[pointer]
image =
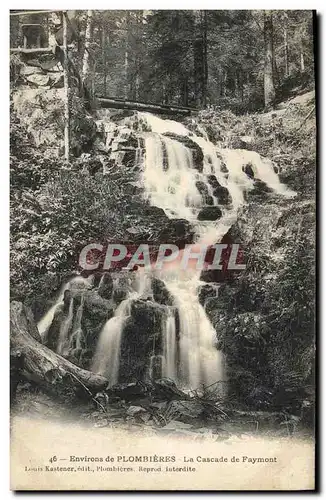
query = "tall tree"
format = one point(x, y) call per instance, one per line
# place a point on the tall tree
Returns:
point(66, 87)
point(286, 44)
point(200, 57)
point(86, 69)
point(269, 88)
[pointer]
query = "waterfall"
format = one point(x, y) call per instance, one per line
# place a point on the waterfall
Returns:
point(172, 188)
point(169, 345)
point(45, 322)
point(175, 179)
point(64, 330)
point(107, 356)
point(171, 182)
point(155, 366)
point(76, 337)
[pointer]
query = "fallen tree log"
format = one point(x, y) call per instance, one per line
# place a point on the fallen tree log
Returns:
point(115, 103)
point(41, 365)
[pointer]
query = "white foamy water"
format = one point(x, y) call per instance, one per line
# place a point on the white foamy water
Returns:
point(169, 345)
point(45, 322)
point(63, 341)
point(170, 178)
point(106, 360)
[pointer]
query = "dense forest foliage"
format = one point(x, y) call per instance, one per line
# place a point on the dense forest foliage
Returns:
point(238, 59)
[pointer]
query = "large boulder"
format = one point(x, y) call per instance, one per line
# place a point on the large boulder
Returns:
point(141, 338)
point(178, 231)
point(160, 293)
point(210, 213)
point(222, 195)
point(207, 292)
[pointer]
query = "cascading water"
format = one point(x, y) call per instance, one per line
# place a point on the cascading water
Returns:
point(107, 356)
point(106, 359)
point(169, 345)
point(63, 341)
point(171, 182)
point(45, 322)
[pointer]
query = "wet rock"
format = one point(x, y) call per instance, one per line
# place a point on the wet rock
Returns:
point(210, 213)
point(206, 292)
point(202, 188)
point(222, 195)
point(161, 293)
point(119, 294)
point(52, 336)
point(177, 231)
point(213, 276)
point(213, 181)
point(146, 312)
point(122, 285)
point(223, 166)
point(95, 312)
point(142, 335)
point(80, 283)
point(260, 188)
point(209, 200)
point(154, 211)
point(105, 288)
point(248, 170)
point(93, 302)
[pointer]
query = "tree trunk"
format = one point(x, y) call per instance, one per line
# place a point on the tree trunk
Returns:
point(269, 89)
point(286, 46)
point(205, 59)
point(37, 363)
point(184, 92)
point(66, 86)
point(104, 45)
point(86, 70)
point(126, 63)
point(302, 64)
